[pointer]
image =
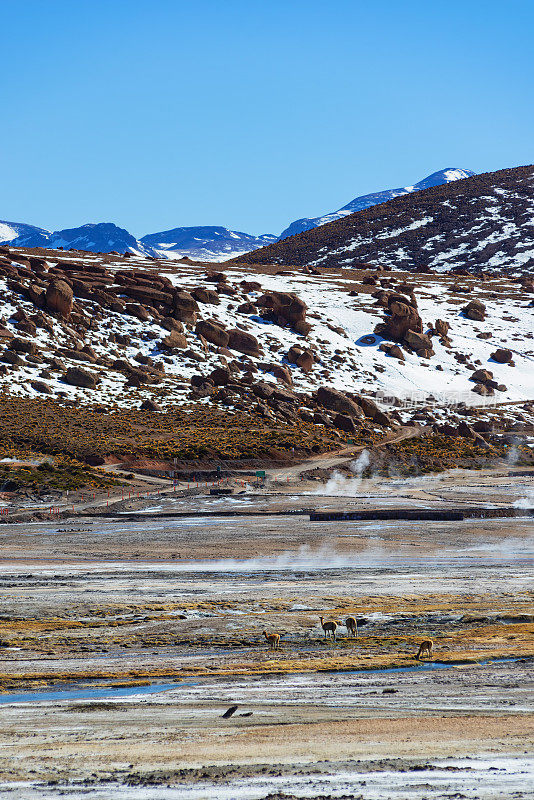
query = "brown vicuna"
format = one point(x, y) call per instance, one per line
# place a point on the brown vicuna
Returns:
point(351, 624)
point(329, 627)
point(273, 639)
point(425, 647)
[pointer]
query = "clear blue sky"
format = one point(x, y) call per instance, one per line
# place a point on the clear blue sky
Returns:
point(249, 114)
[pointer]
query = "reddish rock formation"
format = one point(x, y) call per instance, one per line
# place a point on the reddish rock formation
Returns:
point(213, 332)
point(59, 298)
point(337, 401)
point(203, 295)
point(301, 358)
point(502, 356)
point(76, 376)
point(185, 307)
point(243, 342)
point(475, 310)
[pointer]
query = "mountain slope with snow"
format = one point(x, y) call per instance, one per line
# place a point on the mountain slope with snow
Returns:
point(367, 200)
point(19, 232)
point(102, 237)
point(205, 242)
point(485, 222)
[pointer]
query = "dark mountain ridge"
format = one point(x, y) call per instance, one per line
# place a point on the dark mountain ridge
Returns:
point(480, 222)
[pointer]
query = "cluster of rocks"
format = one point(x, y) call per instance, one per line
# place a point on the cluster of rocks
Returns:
point(241, 384)
point(56, 290)
point(403, 323)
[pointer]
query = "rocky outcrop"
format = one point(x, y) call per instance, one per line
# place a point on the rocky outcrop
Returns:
point(59, 298)
point(502, 356)
point(337, 401)
point(203, 295)
point(76, 376)
point(243, 342)
point(475, 310)
point(185, 308)
point(213, 332)
point(174, 341)
point(372, 411)
point(403, 318)
point(286, 309)
point(304, 359)
point(150, 405)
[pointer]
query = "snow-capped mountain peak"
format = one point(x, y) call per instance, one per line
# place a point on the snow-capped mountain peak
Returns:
point(446, 175)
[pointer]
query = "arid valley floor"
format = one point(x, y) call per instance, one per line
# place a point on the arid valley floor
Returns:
point(125, 639)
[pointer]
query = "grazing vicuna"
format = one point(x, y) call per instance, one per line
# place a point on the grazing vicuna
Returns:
point(329, 627)
point(273, 639)
point(351, 624)
point(425, 647)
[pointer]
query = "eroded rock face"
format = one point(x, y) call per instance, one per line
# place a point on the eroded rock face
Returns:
point(403, 318)
point(185, 307)
point(59, 298)
point(335, 400)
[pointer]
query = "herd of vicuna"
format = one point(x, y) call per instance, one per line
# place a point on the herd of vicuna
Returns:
point(330, 627)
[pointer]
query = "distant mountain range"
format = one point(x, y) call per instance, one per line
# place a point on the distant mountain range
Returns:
point(205, 243)
point(484, 222)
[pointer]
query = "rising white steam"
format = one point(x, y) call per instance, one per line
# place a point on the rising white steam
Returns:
point(340, 486)
point(525, 502)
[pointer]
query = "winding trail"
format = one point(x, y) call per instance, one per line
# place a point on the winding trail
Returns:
point(335, 459)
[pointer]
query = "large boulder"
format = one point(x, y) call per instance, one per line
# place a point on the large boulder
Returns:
point(41, 386)
point(482, 376)
point(475, 310)
point(220, 376)
point(301, 358)
point(337, 401)
point(286, 308)
point(263, 390)
point(441, 327)
point(502, 356)
point(23, 346)
point(203, 295)
point(243, 342)
point(174, 341)
point(403, 318)
point(281, 373)
point(344, 423)
point(418, 341)
point(150, 405)
point(76, 376)
point(371, 410)
point(185, 307)
point(213, 332)
point(59, 298)
point(392, 350)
